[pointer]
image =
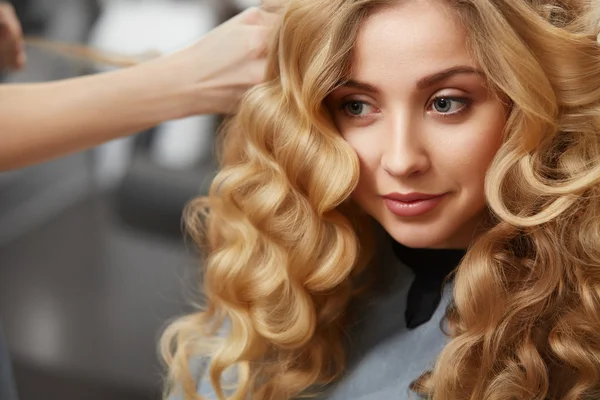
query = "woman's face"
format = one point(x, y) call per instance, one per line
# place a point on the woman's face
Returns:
point(423, 123)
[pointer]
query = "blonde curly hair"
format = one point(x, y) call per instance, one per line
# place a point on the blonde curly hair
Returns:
point(284, 244)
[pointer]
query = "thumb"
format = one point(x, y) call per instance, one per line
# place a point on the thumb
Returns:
point(257, 16)
point(273, 5)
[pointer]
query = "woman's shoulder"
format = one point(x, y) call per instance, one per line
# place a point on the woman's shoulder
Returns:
point(199, 369)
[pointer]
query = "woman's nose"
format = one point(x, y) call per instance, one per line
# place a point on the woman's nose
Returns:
point(405, 152)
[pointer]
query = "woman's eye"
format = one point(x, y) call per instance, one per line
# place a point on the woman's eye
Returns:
point(357, 109)
point(448, 105)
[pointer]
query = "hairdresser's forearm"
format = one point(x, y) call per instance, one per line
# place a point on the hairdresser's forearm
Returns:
point(46, 120)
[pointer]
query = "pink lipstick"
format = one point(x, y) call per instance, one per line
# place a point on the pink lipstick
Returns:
point(411, 204)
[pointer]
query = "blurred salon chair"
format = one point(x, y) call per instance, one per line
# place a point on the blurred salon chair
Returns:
point(152, 196)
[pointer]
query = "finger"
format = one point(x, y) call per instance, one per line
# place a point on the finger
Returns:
point(10, 31)
point(256, 16)
point(250, 16)
point(12, 52)
point(8, 60)
point(20, 59)
point(12, 49)
point(7, 43)
point(269, 18)
point(273, 5)
point(4, 61)
point(15, 28)
point(9, 20)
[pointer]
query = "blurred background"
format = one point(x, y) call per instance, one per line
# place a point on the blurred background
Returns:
point(92, 259)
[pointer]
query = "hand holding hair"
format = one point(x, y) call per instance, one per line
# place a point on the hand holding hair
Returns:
point(41, 121)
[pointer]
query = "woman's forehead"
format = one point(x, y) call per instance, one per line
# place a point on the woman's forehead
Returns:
point(408, 41)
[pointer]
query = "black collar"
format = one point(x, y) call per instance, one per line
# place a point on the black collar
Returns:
point(431, 267)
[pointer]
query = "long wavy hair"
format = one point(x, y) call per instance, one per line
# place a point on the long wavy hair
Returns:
point(284, 244)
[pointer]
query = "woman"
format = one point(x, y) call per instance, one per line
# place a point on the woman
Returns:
point(457, 124)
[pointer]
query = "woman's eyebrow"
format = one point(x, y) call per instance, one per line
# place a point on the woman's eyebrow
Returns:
point(360, 86)
point(433, 79)
point(423, 83)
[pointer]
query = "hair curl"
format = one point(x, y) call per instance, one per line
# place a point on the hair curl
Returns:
point(284, 242)
point(525, 323)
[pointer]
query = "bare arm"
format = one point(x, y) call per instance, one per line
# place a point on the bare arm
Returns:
point(41, 121)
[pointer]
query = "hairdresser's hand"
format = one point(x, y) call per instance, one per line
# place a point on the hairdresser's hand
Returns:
point(12, 47)
point(273, 5)
point(229, 60)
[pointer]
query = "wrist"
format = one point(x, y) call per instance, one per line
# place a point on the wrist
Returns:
point(167, 84)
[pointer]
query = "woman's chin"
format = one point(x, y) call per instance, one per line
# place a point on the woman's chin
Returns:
point(418, 240)
point(417, 244)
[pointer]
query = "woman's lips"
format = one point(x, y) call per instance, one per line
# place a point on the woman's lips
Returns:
point(411, 204)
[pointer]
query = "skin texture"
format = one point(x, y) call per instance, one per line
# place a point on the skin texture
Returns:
point(428, 137)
